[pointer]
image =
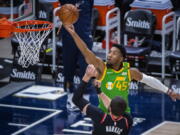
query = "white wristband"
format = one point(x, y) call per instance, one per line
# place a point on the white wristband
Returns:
point(154, 83)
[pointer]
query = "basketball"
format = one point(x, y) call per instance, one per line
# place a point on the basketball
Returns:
point(68, 14)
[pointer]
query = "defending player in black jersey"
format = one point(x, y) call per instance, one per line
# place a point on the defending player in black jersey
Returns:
point(117, 122)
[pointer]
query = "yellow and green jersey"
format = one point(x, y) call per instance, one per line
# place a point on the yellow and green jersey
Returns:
point(115, 83)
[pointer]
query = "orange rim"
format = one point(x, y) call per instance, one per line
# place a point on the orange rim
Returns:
point(5, 28)
point(31, 22)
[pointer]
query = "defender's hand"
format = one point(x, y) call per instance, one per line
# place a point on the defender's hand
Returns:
point(97, 83)
point(90, 72)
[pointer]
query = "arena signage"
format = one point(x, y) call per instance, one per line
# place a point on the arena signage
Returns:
point(44, 11)
point(23, 74)
point(60, 77)
point(18, 73)
point(140, 22)
point(137, 23)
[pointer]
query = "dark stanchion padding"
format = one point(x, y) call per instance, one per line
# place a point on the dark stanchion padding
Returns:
point(139, 23)
point(174, 58)
point(13, 87)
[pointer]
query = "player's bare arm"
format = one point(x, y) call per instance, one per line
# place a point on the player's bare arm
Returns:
point(89, 56)
point(152, 82)
point(106, 100)
point(90, 72)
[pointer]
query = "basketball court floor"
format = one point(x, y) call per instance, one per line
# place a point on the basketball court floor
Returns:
point(28, 108)
point(37, 109)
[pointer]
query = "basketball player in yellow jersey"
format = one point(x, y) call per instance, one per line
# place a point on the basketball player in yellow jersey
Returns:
point(115, 75)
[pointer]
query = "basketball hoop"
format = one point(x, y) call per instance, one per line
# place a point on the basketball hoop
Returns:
point(30, 35)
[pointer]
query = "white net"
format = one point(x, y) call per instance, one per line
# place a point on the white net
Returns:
point(30, 43)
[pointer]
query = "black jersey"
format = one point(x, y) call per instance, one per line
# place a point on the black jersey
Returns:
point(105, 125)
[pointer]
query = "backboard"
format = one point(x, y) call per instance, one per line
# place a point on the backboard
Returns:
point(19, 10)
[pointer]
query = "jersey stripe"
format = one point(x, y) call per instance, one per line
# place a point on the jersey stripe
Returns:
point(104, 73)
point(103, 118)
point(127, 125)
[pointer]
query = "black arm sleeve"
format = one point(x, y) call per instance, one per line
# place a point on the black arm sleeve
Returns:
point(98, 90)
point(78, 96)
point(129, 120)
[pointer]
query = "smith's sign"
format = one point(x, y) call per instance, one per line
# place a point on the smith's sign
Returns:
point(137, 23)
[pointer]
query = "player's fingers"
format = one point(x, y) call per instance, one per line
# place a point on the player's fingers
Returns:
point(59, 29)
point(97, 83)
point(178, 96)
point(68, 27)
point(174, 96)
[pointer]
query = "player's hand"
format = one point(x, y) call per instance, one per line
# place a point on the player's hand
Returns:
point(69, 28)
point(97, 83)
point(90, 72)
point(174, 96)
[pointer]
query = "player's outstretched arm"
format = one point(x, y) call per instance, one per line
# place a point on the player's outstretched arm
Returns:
point(89, 56)
point(152, 82)
point(78, 95)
